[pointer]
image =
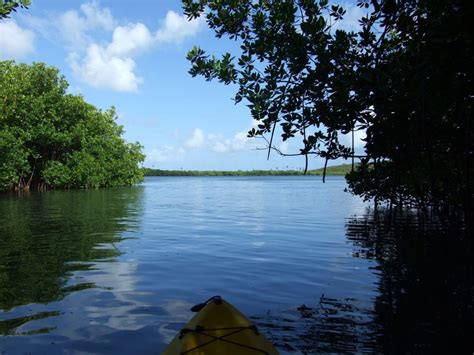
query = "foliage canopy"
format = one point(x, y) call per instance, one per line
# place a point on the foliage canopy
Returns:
point(8, 6)
point(405, 78)
point(49, 138)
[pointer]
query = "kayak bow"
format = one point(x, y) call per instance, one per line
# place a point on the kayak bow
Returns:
point(219, 328)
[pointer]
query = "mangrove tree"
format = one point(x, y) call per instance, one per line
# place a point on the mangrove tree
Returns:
point(52, 139)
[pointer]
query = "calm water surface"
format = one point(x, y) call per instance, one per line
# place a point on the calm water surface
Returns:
point(116, 270)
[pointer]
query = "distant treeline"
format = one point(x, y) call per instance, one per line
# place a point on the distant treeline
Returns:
point(332, 170)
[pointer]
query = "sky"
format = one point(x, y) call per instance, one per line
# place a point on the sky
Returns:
point(132, 55)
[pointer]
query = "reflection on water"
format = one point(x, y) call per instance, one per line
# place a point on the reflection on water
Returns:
point(425, 285)
point(325, 326)
point(424, 300)
point(45, 238)
point(9, 326)
point(116, 270)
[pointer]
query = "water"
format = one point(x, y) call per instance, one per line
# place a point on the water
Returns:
point(116, 270)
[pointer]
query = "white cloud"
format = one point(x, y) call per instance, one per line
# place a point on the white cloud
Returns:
point(109, 66)
point(102, 52)
point(196, 140)
point(237, 143)
point(76, 27)
point(175, 28)
point(101, 70)
point(112, 65)
point(97, 16)
point(218, 143)
point(15, 42)
point(165, 154)
point(220, 146)
point(130, 40)
point(199, 142)
point(240, 141)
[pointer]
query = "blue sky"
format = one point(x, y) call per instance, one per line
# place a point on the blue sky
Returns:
point(132, 55)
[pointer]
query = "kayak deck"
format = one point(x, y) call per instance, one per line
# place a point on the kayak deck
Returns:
point(219, 328)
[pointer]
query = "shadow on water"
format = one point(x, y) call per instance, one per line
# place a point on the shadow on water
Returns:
point(46, 237)
point(423, 300)
point(425, 285)
point(327, 326)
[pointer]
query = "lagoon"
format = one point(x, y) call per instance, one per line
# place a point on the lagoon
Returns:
point(116, 270)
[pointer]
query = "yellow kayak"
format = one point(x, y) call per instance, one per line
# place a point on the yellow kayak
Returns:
point(219, 328)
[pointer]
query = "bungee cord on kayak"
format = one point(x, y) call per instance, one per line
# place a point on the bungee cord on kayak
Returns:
point(202, 330)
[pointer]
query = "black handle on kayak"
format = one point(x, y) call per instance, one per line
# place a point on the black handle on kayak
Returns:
point(199, 306)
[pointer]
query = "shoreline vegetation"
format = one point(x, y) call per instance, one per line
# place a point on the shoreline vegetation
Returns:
point(52, 139)
point(338, 170)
